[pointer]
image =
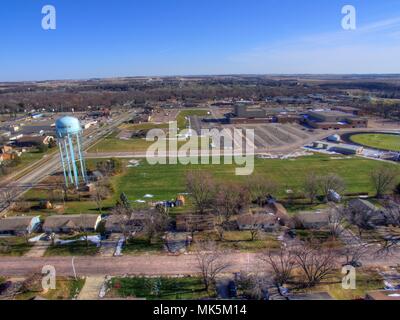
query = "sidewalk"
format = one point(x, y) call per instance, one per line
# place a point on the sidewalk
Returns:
point(91, 289)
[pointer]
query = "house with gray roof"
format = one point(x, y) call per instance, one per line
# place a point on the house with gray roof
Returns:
point(16, 226)
point(71, 223)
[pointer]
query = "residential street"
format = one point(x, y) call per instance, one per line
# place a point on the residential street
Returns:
point(143, 264)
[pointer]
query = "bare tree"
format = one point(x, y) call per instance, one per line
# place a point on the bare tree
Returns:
point(311, 187)
point(337, 221)
point(316, 263)
point(227, 200)
point(354, 253)
point(260, 187)
point(389, 232)
point(383, 179)
point(100, 193)
point(201, 187)
point(155, 223)
point(253, 286)
point(362, 219)
point(282, 263)
point(331, 182)
point(123, 221)
point(254, 232)
point(83, 227)
point(210, 262)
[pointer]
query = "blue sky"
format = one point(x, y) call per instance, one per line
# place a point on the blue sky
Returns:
point(99, 38)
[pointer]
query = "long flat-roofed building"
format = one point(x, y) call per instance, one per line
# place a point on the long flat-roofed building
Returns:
point(328, 119)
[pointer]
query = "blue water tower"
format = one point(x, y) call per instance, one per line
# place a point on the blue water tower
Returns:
point(69, 137)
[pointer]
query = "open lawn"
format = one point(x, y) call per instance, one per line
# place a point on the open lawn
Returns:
point(165, 182)
point(181, 118)
point(14, 246)
point(144, 126)
point(139, 245)
point(240, 241)
point(114, 144)
point(187, 288)
point(379, 141)
point(78, 248)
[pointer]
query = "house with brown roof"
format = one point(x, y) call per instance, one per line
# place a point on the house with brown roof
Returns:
point(195, 222)
point(268, 223)
point(16, 226)
point(119, 223)
point(313, 220)
point(71, 223)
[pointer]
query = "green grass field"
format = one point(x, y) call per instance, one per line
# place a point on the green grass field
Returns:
point(181, 118)
point(165, 182)
point(379, 141)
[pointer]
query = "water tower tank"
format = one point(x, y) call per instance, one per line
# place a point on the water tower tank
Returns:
point(67, 125)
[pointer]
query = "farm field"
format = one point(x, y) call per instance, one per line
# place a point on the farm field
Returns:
point(379, 141)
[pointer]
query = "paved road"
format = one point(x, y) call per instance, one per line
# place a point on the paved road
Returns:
point(143, 264)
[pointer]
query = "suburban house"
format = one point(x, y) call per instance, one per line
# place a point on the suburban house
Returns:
point(362, 205)
point(313, 220)
point(119, 224)
point(264, 222)
point(17, 226)
point(193, 222)
point(71, 223)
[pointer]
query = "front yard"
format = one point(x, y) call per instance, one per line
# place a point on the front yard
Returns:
point(78, 248)
point(160, 288)
point(66, 289)
point(14, 246)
